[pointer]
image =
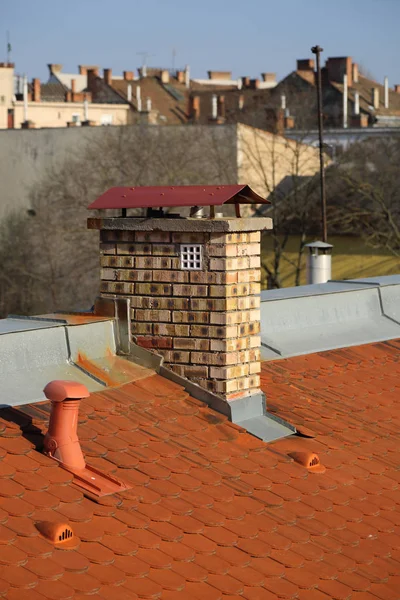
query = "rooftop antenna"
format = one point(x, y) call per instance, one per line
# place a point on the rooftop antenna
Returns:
point(8, 48)
point(145, 56)
point(317, 51)
point(173, 58)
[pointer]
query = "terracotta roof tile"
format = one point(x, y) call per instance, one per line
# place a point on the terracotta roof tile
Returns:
point(213, 512)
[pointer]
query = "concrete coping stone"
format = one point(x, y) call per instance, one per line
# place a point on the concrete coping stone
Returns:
point(181, 225)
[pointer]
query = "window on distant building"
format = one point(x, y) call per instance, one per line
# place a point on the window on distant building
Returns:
point(191, 257)
point(106, 119)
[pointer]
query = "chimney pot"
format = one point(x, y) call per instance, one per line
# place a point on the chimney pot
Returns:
point(375, 97)
point(355, 72)
point(107, 73)
point(165, 76)
point(36, 90)
point(128, 75)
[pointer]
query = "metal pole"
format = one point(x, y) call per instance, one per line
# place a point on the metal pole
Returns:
point(317, 50)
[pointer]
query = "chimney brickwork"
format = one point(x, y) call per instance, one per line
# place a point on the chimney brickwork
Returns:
point(205, 322)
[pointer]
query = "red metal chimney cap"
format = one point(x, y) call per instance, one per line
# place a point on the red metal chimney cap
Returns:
point(60, 390)
point(172, 196)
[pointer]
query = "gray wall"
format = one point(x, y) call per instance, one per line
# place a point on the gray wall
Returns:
point(26, 155)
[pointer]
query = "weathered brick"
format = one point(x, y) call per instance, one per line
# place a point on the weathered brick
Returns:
point(254, 368)
point(136, 249)
point(229, 372)
point(229, 318)
point(178, 369)
point(165, 303)
point(169, 329)
point(254, 236)
point(190, 238)
point(254, 341)
point(255, 288)
point(236, 289)
point(176, 356)
point(228, 238)
point(229, 345)
point(250, 329)
point(254, 262)
point(190, 317)
point(117, 287)
point(203, 277)
point(153, 315)
point(154, 342)
point(191, 344)
point(214, 331)
point(255, 315)
point(214, 358)
point(108, 274)
point(165, 250)
point(190, 290)
point(192, 371)
point(248, 249)
point(213, 304)
point(224, 387)
point(157, 289)
point(107, 248)
point(152, 262)
point(141, 328)
point(152, 236)
point(127, 262)
point(115, 235)
point(247, 302)
point(254, 381)
point(133, 275)
point(136, 302)
point(223, 250)
point(229, 264)
point(172, 276)
point(248, 275)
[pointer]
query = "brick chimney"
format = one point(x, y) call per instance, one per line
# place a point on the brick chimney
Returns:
point(165, 76)
point(92, 75)
point(269, 77)
point(339, 66)
point(360, 120)
point(128, 75)
point(107, 75)
point(245, 81)
point(84, 69)
point(306, 68)
point(397, 89)
point(36, 90)
point(225, 75)
point(194, 110)
point(193, 284)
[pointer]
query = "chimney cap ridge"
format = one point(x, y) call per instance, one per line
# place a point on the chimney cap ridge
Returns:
point(175, 196)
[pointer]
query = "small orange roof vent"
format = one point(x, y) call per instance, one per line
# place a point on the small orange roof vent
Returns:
point(309, 460)
point(57, 533)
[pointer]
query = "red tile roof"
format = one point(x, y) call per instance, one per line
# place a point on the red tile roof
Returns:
point(213, 512)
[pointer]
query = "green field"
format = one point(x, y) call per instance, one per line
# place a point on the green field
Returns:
point(351, 259)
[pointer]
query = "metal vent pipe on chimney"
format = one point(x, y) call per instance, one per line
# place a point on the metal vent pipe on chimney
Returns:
point(386, 84)
point(187, 76)
point(129, 92)
point(283, 102)
point(345, 101)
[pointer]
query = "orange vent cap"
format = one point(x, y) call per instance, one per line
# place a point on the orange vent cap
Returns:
point(309, 460)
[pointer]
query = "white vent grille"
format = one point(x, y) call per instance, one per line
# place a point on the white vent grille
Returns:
point(191, 257)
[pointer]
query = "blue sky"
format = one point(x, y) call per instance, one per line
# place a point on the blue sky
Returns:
point(245, 37)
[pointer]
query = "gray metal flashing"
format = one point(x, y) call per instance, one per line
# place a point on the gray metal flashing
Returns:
point(336, 314)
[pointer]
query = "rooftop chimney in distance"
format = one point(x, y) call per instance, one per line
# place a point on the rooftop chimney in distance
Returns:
point(128, 75)
point(375, 97)
point(354, 69)
point(107, 73)
point(386, 98)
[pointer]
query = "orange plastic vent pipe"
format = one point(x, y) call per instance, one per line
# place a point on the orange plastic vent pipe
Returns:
point(61, 441)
